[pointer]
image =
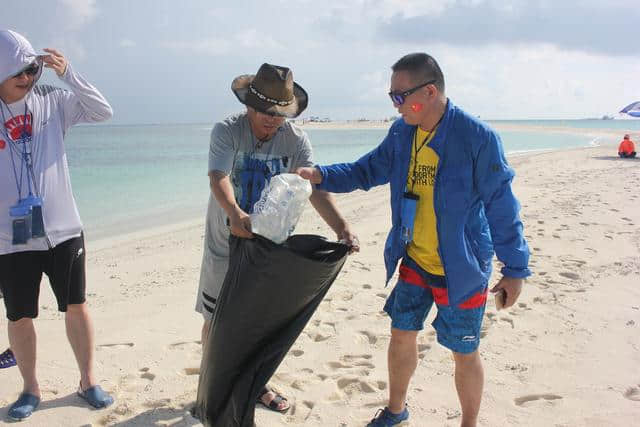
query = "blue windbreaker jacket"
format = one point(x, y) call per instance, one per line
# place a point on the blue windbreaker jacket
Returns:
point(476, 211)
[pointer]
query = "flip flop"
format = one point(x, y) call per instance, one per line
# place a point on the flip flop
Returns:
point(7, 359)
point(96, 397)
point(24, 406)
point(274, 405)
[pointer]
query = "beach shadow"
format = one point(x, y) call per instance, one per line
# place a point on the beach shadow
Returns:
point(615, 158)
point(177, 417)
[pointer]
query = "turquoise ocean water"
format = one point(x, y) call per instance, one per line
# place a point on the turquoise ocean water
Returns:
point(127, 178)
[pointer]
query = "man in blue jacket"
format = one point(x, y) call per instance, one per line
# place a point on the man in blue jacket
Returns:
point(451, 206)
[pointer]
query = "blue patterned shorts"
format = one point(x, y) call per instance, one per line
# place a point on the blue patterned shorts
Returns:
point(457, 328)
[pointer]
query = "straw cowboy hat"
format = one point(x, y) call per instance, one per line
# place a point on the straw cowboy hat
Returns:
point(271, 91)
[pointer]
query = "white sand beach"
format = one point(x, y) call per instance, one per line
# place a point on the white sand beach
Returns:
point(567, 354)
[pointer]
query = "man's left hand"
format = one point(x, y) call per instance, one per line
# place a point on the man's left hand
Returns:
point(56, 61)
point(512, 287)
point(350, 240)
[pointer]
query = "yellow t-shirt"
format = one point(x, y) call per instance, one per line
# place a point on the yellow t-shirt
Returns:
point(424, 247)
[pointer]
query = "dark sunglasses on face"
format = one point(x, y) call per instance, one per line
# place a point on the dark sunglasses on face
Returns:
point(399, 97)
point(31, 70)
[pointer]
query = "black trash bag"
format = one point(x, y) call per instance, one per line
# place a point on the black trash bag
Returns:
point(269, 294)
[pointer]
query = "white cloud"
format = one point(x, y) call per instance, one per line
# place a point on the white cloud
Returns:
point(248, 39)
point(253, 39)
point(212, 46)
point(127, 43)
point(78, 13)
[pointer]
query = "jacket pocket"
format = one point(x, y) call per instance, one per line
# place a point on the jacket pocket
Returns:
point(456, 189)
point(474, 247)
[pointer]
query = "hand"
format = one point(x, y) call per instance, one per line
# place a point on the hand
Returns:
point(350, 240)
point(312, 174)
point(241, 224)
point(56, 61)
point(512, 288)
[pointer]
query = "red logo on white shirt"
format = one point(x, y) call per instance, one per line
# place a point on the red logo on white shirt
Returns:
point(16, 126)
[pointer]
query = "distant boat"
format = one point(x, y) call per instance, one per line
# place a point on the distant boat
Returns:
point(632, 110)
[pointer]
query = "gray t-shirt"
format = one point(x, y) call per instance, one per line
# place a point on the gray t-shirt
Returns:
point(250, 165)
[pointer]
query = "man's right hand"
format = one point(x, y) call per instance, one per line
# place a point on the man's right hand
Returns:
point(312, 174)
point(240, 224)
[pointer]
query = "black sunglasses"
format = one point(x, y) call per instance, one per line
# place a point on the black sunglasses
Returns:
point(31, 70)
point(399, 97)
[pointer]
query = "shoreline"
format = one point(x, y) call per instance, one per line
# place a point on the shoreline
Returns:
point(145, 226)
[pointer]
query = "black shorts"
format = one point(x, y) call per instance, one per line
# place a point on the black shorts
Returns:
point(21, 274)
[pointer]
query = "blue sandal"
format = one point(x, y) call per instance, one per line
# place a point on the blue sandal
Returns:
point(96, 396)
point(24, 406)
point(7, 359)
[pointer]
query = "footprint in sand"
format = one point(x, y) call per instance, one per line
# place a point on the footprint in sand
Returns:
point(569, 275)
point(50, 390)
point(521, 401)
point(366, 286)
point(633, 393)
point(303, 410)
point(361, 265)
point(116, 345)
point(346, 296)
point(300, 385)
point(422, 350)
point(338, 365)
point(370, 337)
point(297, 353)
point(319, 337)
point(508, 320)
point(191, 371)
point(363, 363)
point(324, 331)
point(353, 385)
point(146, 374)
point(353, 357)
point(183, 344)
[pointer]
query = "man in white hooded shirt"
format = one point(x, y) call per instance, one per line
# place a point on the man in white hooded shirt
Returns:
point(40, 229)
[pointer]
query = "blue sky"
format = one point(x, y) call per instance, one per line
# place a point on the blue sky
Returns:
point(161, 61)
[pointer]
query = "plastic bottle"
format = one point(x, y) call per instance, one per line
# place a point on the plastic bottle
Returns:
point(281, 203)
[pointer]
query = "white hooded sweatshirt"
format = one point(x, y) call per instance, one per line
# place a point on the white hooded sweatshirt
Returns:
point(50, 111)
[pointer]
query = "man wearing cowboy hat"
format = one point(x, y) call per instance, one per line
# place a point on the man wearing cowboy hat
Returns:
point(246, 150)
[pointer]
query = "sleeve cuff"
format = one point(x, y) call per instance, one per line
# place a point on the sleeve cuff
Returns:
point(323, 172)
point(516, 273)
point(68, 71)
